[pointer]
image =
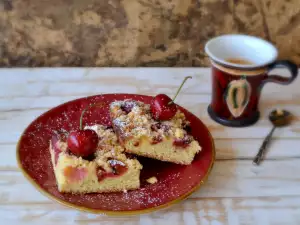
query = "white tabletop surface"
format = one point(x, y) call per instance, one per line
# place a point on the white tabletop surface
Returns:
point(236, 192)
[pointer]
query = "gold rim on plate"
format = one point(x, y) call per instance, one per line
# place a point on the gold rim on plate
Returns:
point(111, 212)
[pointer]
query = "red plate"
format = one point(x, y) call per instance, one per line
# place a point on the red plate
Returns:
point(175, 182)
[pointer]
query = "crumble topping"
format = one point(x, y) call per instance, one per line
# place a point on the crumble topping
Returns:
point(106, 135)
point(108, 155)
point(109, 150)
point(134, 120)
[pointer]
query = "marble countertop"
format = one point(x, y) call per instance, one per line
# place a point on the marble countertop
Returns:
point(236, 191)
point(137, 32)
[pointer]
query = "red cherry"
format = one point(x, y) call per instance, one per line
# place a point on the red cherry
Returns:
point(127, 107)
point(82, 142)
point(156, 139)
point(118, 168)
point(182, 142)
point(163, 107)
point(101, 174)
point(160, 126)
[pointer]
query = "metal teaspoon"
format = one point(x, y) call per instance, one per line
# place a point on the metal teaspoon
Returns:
point(278, 118)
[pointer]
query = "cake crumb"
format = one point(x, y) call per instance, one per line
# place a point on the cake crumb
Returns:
point(125, 191)
point(152, 180)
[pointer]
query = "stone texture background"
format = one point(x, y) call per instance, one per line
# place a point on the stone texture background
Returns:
point(137, 32)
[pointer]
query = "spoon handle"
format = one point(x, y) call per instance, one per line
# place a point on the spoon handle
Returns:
point(263, 148)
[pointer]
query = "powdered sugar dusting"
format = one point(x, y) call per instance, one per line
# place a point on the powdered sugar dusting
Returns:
point(133, 119)
point(173, 180)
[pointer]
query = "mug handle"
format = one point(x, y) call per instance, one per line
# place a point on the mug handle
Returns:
point(292, 67)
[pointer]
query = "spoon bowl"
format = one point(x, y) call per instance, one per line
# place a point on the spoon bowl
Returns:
point(280, 118)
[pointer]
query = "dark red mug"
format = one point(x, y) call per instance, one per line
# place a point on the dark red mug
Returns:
point(240, 68)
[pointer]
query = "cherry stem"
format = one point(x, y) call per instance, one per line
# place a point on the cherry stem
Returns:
point(179, 89)
point(83, 111)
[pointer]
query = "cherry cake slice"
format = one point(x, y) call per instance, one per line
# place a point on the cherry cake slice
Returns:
point(139, 133)
point(107, 170)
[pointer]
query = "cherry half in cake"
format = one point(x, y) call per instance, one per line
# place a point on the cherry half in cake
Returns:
point(141, 134)
point(118, 169)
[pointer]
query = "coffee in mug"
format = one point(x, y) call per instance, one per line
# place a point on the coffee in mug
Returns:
point(240, 68)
